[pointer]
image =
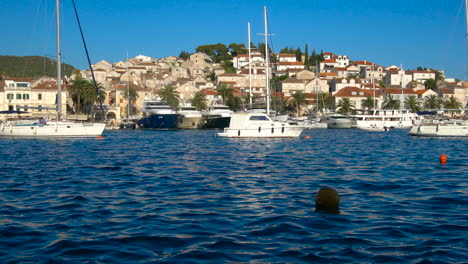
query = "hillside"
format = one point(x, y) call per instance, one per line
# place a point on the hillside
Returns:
point(31, 67)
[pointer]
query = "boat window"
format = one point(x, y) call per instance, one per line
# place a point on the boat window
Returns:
point(259, 118)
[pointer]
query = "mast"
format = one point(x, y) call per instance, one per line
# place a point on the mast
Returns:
point(250, 67)
point(267, 59)
point(59, 73)
point(401, 80)
point(128, 92)
point(373, 85)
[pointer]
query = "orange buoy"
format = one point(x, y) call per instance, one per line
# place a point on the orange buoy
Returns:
point(306, 136)
point(100, 136)
point(443, 159)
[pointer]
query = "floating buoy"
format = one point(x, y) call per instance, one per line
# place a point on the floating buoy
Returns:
point(306, 136)
point(327, 199)
point(100, 136)
point(443, 159)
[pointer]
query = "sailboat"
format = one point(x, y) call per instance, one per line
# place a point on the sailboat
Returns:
point(52, 128)
point(260, 125)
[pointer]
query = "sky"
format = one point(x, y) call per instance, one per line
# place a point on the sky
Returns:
point(411, 33)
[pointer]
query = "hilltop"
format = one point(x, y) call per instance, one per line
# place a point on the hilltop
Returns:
point(31, 67)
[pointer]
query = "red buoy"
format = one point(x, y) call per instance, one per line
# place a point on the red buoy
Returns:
point(306, 136)
point(99, 136)
point(443, 159)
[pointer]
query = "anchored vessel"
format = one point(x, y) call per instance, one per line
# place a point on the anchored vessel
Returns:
point(52, 128)
point(159, 116)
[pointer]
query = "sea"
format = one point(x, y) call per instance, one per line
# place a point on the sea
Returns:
point(192, 197)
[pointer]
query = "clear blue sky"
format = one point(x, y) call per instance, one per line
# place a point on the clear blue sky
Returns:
point(427, 33)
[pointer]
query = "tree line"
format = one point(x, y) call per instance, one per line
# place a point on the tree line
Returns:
point(31, 67)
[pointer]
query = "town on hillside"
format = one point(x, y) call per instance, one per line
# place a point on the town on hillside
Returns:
point(125, 85)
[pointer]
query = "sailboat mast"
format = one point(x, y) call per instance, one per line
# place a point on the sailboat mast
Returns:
point(250, 67)
point(59, 73)
point(267, 61)
point(373, 84)
point(128, 92)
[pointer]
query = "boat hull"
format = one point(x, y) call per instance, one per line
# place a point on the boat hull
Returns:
point(159, 122)
point(440, 130)
point(190, 122)
point(339, 124)
point(220, 122)
point(270, 132)
point(53, 129)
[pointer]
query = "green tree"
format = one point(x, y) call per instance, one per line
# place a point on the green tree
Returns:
point(237, 49)
point(170, 95)
point(431, 84)
point(184, 55)
point(453, 103)
point(345, 105)
point(90, 97)
point(234, 102)
point(382, 83)
point(432, 102)
point(199, 101)
point(278, 103)
point(390, 103)
point(368, 102)
point(75, 90)
point(412, 103)
point(297, 101)
point(324, 101)
point(224, 91)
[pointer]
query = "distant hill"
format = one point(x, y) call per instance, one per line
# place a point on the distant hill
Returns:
point(31, 67)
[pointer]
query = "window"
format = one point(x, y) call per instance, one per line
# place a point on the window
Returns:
point(10, 96)
point(25, 96)
point(39, 97)
point(18, 96)
point(259, 118)
point(39, 108)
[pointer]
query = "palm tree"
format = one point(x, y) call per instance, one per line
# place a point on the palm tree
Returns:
point(345, 105)
point(453, 103)
point(234, 102)
point(298, 100)
point(199, 101)
point(390, 103)
point(368, 102)
point(170, 95)
point(76, 89)
point(90, 97)
point(278, 103)
point(432, 102)
point(412, 103)
point(225, 91)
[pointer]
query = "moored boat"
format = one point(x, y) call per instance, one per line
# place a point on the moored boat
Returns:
point(189, 117)
point(159, 116)
point(445, 128)
point(339, 121)
point(217, 117)
point(258, 125)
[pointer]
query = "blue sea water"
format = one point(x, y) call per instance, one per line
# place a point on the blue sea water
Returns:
point(192, 197)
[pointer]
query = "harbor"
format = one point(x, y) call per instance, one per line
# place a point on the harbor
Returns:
point(140, 196)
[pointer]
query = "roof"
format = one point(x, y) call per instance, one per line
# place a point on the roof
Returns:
point(300, 63)
point(446, 90)
point(399, 91)
point(348, 92)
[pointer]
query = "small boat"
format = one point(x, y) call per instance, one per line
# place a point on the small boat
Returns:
point(258, 125)
point(444, 128)
point(159, 116)
point(128, 125)
point(339, 121)
point(217, 117)
point(189, 117)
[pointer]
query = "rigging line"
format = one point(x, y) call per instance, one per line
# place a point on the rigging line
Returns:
point(89, 61)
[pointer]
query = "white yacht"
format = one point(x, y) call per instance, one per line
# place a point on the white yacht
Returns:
point(189, 117)
point(436, 128)
point(339, 121)
point(258, 125)
point(387, 118)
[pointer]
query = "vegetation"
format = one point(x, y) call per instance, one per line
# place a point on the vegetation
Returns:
point(431, 84)
point(224, 91)
point(390, 103)
point(31, 67)
point(297, 101)
point(432, 102)
point(453, 103)
point(412, 103)
point(278, 103)
point(83, 94)
point(345, 105)
point(199, 100)
point(170, 95)
point(368, 102)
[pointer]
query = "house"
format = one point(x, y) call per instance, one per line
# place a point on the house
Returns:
point(339, 83)
point(422, 76)
point(305, 75)
point(357, 96)
point(292, 84)
point(233, 80)
point(285, 57)
point(372, 71)
point(399, 93)
point(284, 67)
point(328, 65)
point(397, 77)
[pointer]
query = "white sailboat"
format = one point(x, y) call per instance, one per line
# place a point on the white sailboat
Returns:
point(260, 125)
point(52, 128)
